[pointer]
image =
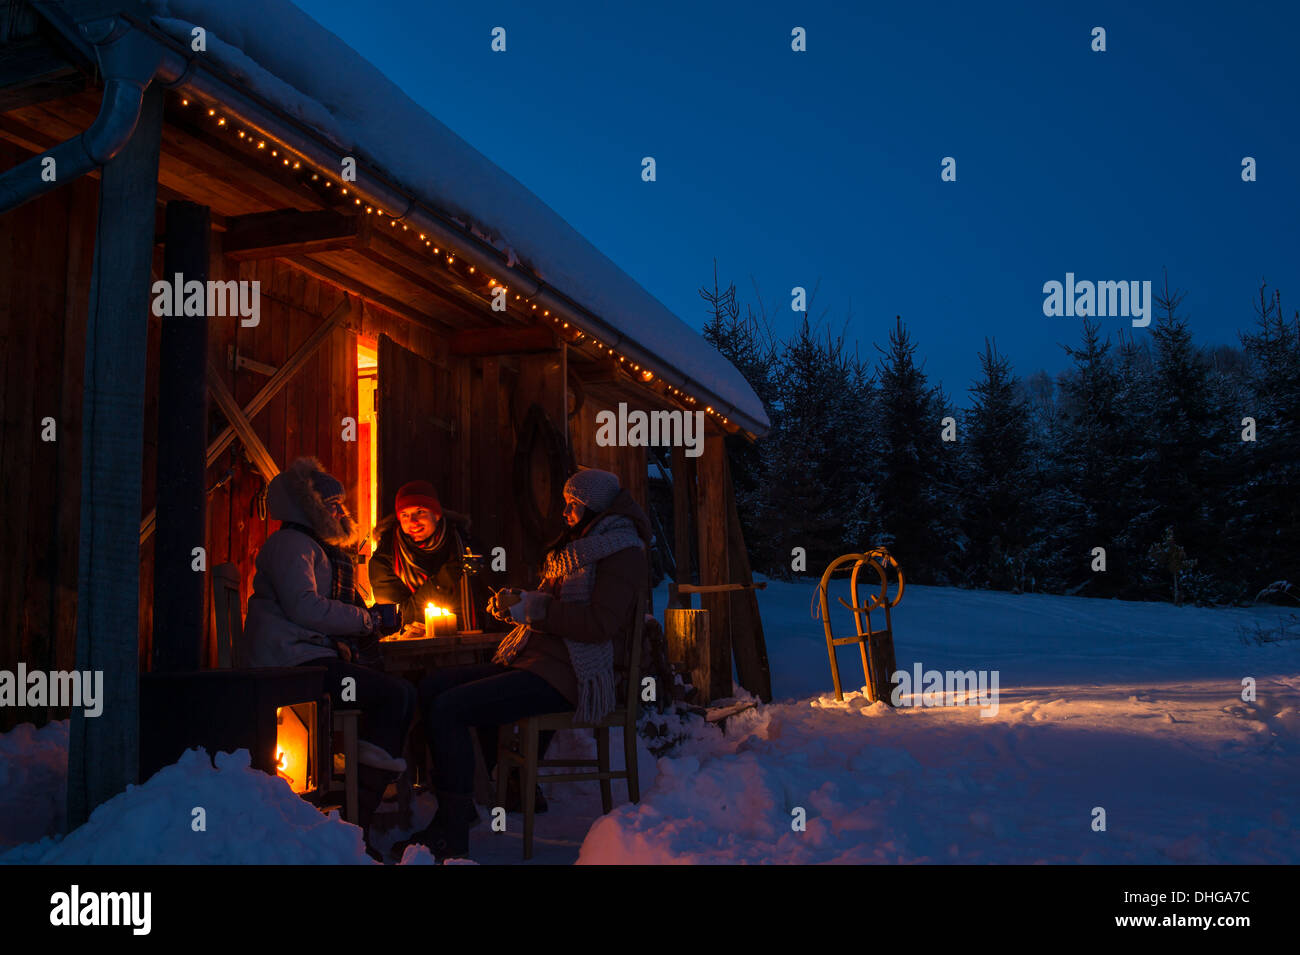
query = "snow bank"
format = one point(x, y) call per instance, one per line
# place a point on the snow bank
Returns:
point(33, 781)
point(251, 818)
point(1182, 778)
point(320, 80)
point(1133, 708)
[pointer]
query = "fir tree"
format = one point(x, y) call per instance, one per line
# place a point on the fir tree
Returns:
point(1088, 511)
point(1269, 492)
point(995, 476)
point(811, 460)
point(913, 505)
point(1186, 432)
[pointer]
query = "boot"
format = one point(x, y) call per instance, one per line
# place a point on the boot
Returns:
point(371, 783)
point(447, 836)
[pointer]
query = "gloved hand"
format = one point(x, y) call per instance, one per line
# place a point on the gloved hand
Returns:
point(501, 602)
point(385, 618)
point(531, 607)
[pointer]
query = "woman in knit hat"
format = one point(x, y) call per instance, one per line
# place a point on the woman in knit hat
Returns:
point(420, 559)
point(305, 611)
point(559, 656)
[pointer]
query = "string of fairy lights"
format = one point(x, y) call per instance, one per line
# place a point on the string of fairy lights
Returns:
point(275, 153)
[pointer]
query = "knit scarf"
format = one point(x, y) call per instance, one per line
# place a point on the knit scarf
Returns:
point(404, 555)
point(342, 586)
point(570, 572)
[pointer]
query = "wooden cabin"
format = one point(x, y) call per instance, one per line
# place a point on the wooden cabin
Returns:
point(377, 348)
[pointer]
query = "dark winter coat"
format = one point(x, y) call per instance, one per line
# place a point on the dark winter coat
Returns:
point(620, 579)
point(291, 618)
point(442, 565)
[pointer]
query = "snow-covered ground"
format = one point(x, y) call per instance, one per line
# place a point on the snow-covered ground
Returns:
point(1135, 709)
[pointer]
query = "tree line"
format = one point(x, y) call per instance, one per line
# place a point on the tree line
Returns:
point(1151, 468)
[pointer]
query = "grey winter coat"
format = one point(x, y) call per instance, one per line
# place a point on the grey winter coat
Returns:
point(291, 618)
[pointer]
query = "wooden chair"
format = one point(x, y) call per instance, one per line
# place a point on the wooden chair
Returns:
point(230, 635)
point(530, 728)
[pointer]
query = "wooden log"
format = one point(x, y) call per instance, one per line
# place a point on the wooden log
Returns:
point(715, 568)
point(687, 635)
point(719, 588)
point(181, 491)
point(103, 756)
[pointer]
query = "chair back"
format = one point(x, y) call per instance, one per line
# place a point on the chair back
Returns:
point(634, 660)
point(230, 618)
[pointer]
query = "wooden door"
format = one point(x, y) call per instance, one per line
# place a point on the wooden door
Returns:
point(417, 436)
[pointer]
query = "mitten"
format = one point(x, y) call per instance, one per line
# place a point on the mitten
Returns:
point(531, 608)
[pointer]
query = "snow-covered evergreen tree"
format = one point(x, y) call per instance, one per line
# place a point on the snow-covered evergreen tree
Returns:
point(996, 492)
point(912, 479)
point(1268, 496)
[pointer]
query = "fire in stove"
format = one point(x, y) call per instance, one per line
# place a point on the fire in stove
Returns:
point(293, 746)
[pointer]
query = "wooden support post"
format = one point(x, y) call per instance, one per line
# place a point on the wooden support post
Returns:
point(747, 640)
point(181, 465)
point(711, 506)
point(103, 756)
point(683, 526)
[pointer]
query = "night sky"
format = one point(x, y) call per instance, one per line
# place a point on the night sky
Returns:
point(824, 166)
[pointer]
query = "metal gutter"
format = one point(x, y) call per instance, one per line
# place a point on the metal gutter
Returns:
point(128, 60)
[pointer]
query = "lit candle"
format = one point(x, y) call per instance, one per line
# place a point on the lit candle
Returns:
point(438, 622)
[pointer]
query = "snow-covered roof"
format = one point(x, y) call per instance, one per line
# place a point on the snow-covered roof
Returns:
point(290, 60)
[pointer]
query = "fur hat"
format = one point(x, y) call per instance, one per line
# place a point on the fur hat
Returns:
point(595, 489)
point(300, 494)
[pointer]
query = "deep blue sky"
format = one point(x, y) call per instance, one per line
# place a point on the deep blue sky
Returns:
point(799, 167)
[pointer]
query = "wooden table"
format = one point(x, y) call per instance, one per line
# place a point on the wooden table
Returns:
point(413, 658)
point(425, 653)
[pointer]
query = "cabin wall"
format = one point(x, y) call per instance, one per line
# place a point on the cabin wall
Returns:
point(46, 257)
point(629, 463)
point(46, 251)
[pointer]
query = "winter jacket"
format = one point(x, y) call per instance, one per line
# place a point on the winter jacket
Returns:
point(291, 618)
point(442, 565)
point(620, 579)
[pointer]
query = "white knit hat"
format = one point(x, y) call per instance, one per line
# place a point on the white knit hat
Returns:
point(594, 488)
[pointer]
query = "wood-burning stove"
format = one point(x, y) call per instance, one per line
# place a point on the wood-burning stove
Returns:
point(281, 715)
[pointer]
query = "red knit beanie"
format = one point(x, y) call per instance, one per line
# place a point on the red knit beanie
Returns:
point(419, 494)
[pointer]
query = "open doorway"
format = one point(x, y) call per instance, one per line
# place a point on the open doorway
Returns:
point(367, 431)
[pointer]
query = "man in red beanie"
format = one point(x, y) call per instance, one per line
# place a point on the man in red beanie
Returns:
point(420, 558)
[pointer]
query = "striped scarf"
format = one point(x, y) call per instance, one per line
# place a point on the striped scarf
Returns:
point(405, 565)
point(342, 579)
point(570, 571)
